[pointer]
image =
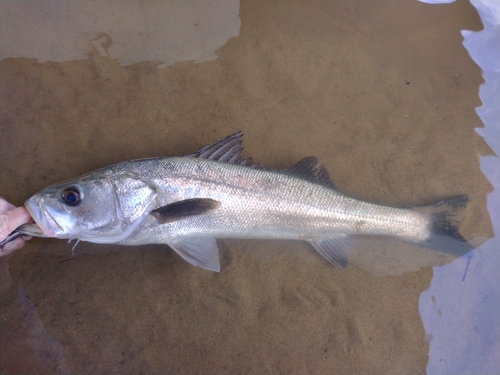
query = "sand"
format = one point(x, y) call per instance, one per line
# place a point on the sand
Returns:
point(383, 93)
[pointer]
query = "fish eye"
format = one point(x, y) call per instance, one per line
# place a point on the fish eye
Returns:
point(71, 196)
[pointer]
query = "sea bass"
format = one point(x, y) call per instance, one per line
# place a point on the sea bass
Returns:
point(188, 201)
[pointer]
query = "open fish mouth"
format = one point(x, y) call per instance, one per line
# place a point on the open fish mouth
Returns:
point(31, 229)
point(45, 225)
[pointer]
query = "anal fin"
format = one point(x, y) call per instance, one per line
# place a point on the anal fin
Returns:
point(335, 250)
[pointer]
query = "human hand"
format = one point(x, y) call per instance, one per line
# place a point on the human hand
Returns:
point(10, 218)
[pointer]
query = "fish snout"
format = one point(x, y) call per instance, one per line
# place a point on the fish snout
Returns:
point(41, 217)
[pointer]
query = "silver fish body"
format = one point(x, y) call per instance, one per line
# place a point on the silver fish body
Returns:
point(256, 203)
point(188, 201)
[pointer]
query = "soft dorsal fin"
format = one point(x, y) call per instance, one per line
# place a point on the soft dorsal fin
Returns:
point(227, 150)
point(311, 170)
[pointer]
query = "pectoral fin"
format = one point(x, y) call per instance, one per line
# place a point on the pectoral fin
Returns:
point(335, 250)
point(201, 252)
point(183, 209)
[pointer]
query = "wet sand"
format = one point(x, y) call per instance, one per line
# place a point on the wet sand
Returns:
point(383, 93)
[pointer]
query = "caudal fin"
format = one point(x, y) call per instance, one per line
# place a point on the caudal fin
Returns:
point(444, 235)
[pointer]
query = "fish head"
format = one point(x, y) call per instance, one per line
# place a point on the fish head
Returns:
point(102, 207)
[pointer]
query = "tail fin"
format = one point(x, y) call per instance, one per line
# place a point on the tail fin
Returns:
point(444, 235)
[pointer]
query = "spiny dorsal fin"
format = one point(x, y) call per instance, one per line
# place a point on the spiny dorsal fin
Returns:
point(311, 170)
point(227, 150)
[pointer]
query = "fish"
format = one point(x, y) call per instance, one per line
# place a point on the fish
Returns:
point(188, 201)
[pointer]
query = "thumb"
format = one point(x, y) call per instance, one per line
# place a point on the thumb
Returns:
point(10, 220)
point(18, 216)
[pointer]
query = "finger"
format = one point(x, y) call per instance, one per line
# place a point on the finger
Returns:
point(11, 247)
point(5, 206)
point(26, 238)
point(16, 217)
point(10, 220)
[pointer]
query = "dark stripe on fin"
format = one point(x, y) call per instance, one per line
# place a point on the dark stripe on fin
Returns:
point(227, 149)
point(444, 234)
point(183, 209)
point(311, 170)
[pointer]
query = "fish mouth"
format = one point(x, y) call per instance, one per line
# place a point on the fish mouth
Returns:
point(31, 229)
point(45, 222)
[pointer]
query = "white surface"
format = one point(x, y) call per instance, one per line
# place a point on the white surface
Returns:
point(460, 310)
point(167, 32)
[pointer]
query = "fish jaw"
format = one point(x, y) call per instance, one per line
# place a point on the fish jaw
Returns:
point(45, 221)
